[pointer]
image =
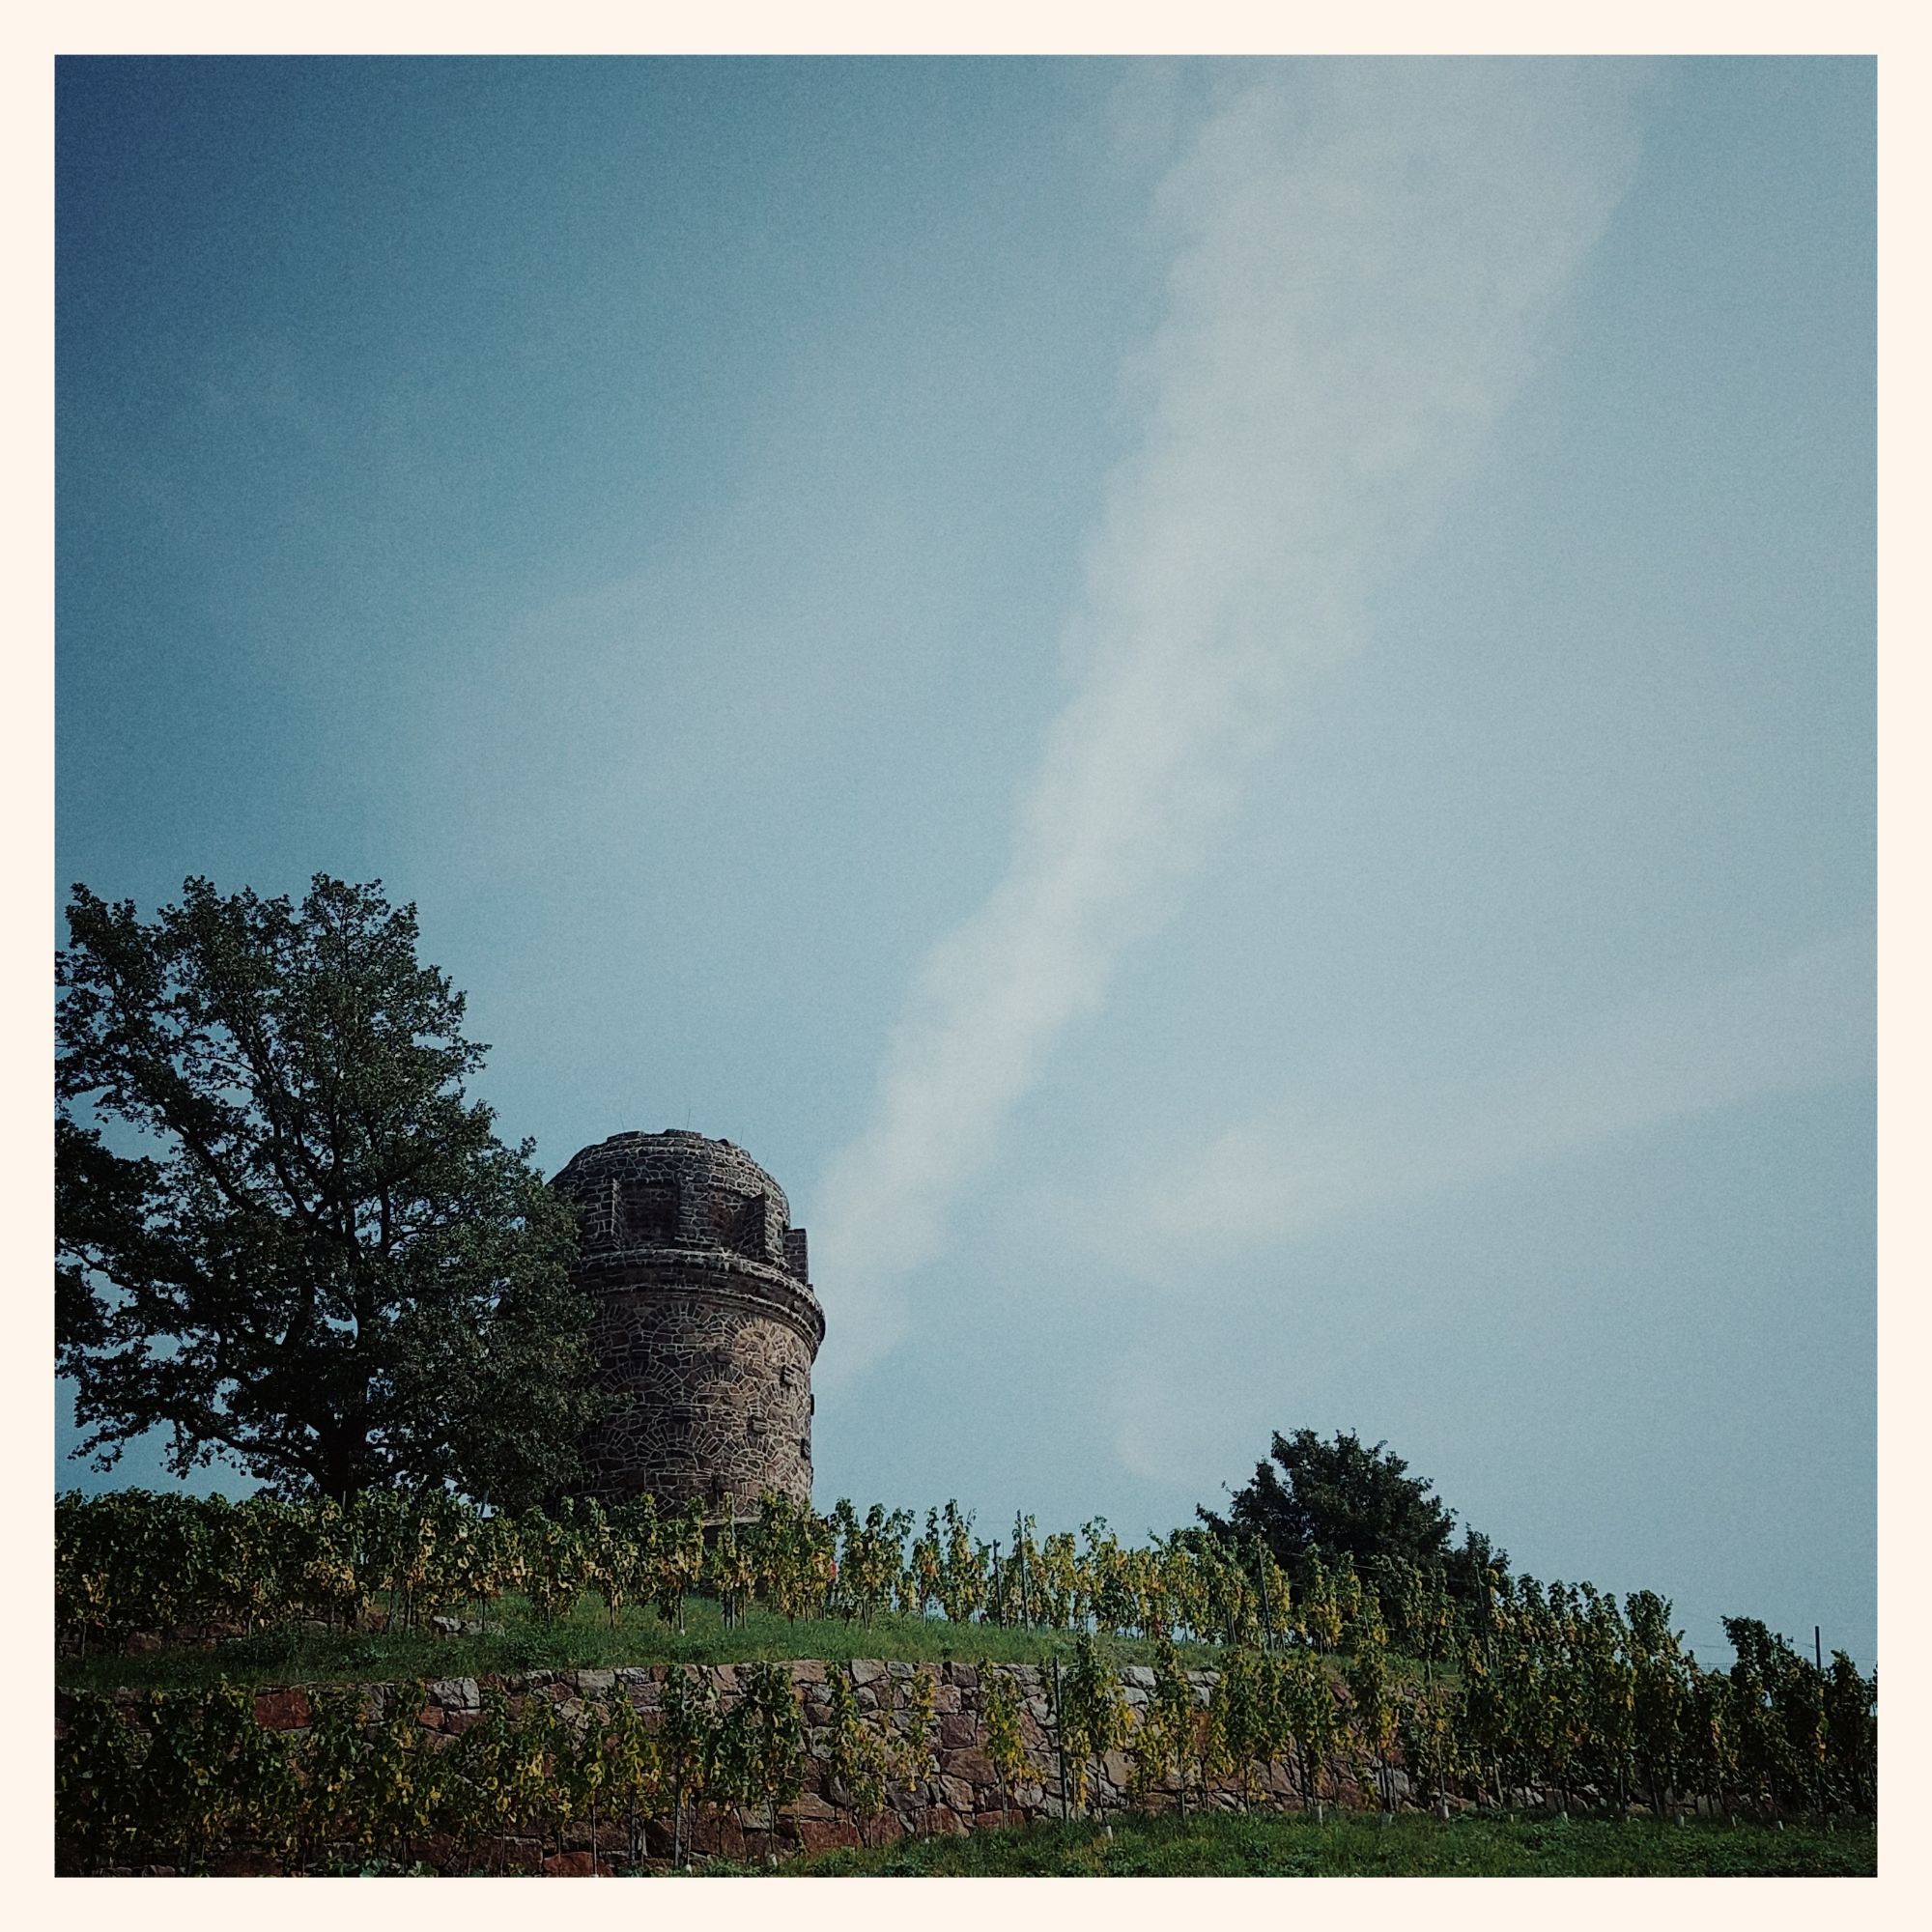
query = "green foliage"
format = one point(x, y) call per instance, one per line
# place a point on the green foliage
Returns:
point(1256, 1845)
point(795, 1551)
point(1429, 1736)
point(1241, 1718)
point(1528, 1695)
point(333, 1783)
point(961, 1586)
point(1850, 1738)
point(554, 1562)
point(871, 1558)
point(477, 1798)
point(1372, 1691)
point(1305, 1710)
point(677, 1561)
point(633, 1770)
point(868, 1756)
point(615, 1553)
point(687, 1744)
point(323, 1266)
point(730, 1566)
point(1005, 1738)
point(582, 1766)
point(918, 1580)
point(97, 1785)
point(1779, 1714)
point(397, 1786)
point(914, 1761)
point(173, 1779)
point(1659, 1696)
point(858, 1755)
point(772, 1741)
point(1344, 1498)
point(1322, 1608)
point(1176, 1726)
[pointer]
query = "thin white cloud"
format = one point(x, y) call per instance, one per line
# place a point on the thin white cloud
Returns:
point(1186, 1216)
point(1807, 1021)
point(1367, 256)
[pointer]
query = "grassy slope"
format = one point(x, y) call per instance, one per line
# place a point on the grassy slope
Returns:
point(585, 1641)
point(1359, 1846)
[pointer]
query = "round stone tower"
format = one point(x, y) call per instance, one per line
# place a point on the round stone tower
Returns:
point(706, 1327)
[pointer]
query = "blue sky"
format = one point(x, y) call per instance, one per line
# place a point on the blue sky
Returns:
point(1224, 709)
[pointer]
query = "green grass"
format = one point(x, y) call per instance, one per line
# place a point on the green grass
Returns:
point(585, 1641)
point(1359, 1846)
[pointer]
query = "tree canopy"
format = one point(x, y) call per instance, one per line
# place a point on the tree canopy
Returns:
point(1345, 1498)
point(283, 1230)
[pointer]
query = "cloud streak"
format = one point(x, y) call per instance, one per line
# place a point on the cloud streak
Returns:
point(1808, 1020)
point(1366, 259)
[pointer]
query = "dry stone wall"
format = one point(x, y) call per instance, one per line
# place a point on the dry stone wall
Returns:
point(706, 1327)
point(963, 1795)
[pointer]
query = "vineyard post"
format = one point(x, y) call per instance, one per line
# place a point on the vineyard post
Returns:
point(1019, 1551)
point(1818, 1648)
point(1060, 1742)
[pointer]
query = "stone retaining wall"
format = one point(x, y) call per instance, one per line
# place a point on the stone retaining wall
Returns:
point(963, 1796)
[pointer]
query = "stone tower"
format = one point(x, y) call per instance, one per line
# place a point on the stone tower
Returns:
point(706, 1327)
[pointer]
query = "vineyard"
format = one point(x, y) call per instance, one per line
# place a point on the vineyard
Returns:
point(1333, 1687)
point(132, 1561)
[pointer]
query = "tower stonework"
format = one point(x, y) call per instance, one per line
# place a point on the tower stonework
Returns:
point(705, 1327)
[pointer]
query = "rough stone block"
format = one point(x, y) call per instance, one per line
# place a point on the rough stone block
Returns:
point(825, 1834)
point(973, 1765)
point(282, 1710)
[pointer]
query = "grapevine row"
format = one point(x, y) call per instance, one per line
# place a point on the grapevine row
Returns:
point(132, 1560)
point(1567, 1701)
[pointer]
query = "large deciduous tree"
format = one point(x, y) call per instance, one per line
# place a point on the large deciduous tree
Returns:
point(282, 1230)
point(1346, 1499)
